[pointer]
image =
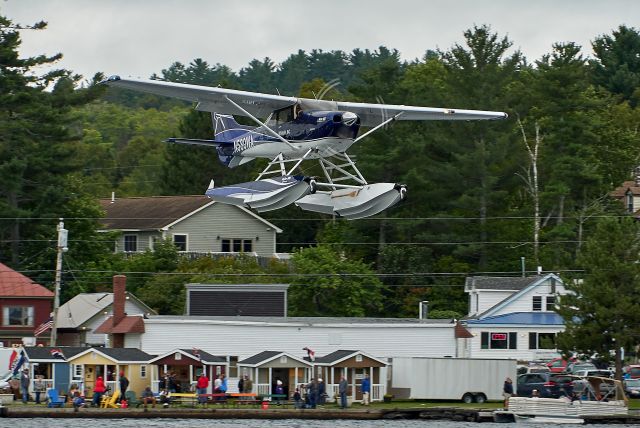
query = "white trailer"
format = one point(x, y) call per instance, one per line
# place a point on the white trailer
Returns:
point(466, 379)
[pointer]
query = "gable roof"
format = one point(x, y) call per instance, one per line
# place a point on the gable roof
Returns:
point(516, 295)
point(84, 306)
point(520, 318)
point(43, 353)
point(202, 356)
point(157, 212)
point(267, 356)
point(627, 186)
point(340, 355)
point(119, 355)
point(15, 284)
point(499, 283)
point(128, 324)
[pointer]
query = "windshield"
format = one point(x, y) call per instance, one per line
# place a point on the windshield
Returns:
point(632, 382)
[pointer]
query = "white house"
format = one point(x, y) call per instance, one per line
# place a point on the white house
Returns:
point(512, 317)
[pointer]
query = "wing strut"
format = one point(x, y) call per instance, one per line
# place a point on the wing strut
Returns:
point(255, 119)
point(391, 119)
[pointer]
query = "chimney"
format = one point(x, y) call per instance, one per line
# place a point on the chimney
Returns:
point(119, 289)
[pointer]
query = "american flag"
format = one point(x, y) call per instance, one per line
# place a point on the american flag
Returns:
point(57, 353)
point(44, 327)
point(310, 353)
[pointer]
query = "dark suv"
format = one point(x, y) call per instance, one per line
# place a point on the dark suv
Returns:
point(549, 385)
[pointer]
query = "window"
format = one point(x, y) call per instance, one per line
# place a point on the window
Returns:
point(551, 303)
point(78, 371)
point(359, 358)
point(236, 245)
point(490, 340)
point(143, 371)
point(19, 316)
point(537, 303)
point(180, 241)
point(630, 202)
point(130, 243)
point(233, 366)
point(542, 340)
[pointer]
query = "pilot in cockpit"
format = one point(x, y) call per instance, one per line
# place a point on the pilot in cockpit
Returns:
point(297, 112)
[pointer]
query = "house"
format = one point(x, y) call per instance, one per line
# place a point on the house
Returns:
point(51, 363)
point(195, 224)
point(24, 306)
point(629, 194)
point(78, 318)
point(187, 364)
point(512, 317)
point(354, 365)
point(268, 367)
point(87, 365)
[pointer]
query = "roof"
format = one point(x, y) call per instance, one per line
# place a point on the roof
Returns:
point(621, 191)
point(82, 307)
point(500, 283)
point(462, 333)
point(520, 318)
point(157, 212)
point(42, 353)
point(119, 354)
point(266, 356)
point(15, 284)
point(307, 321)
point(194, 354)
point(341, 355)
point(129, 324)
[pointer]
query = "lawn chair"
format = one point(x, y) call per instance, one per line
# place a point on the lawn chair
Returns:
point(54, 399)
point(110, 402)
point(131, 398)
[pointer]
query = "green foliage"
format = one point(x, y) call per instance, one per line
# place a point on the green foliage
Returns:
point(602, 313)
point(331, 285)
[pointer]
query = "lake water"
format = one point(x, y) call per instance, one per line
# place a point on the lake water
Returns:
point(251, 423)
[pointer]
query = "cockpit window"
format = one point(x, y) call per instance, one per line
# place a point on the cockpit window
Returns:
point(281, 116)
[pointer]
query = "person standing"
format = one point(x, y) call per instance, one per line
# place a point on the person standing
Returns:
point(247, 385)
point(39, 387)
point(342, 390)
point(98, 391)
point(366, 389)
point(322, 392)
point(507, 391)
point(223, 383)
point(201, 388)
point(25, 380)
point(124, 384)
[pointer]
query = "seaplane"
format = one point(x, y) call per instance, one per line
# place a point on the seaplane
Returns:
point(289, 131)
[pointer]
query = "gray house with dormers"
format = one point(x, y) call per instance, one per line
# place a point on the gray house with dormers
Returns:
point(195, 224)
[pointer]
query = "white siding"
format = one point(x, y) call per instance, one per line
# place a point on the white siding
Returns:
point(245, 340)
point(489, 298)
point(524, 302)
point(521, 353)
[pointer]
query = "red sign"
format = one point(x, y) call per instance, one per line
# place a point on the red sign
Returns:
point(498, 336)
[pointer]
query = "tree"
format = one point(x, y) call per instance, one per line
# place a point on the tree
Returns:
point(602, 311)
point(617, 63)
point(331, 285)
point(38, 150)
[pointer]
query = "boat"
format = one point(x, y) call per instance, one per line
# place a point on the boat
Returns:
point(592, 396)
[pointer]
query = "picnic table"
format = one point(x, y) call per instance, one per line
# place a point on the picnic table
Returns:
point(183, 398)
point(277, 399)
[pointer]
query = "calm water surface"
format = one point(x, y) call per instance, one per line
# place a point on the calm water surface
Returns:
point(252, 423)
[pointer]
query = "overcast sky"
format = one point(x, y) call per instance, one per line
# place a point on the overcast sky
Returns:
point(141, 37)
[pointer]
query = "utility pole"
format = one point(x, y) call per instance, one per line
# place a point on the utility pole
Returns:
point(62, 247)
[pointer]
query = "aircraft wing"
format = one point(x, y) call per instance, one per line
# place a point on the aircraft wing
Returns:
point(374, 114)
point(209, 98)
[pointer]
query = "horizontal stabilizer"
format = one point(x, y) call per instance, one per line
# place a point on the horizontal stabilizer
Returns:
point(194, 142)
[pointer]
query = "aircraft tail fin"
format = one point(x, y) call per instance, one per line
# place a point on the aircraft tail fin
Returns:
point(226, 128)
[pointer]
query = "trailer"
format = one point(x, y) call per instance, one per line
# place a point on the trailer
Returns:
point(467, 379)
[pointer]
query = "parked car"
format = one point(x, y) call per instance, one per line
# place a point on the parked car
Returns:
point(549, 385)
point(589, 372)
point(632, 388)
point(578, 366)
point(559, 364)
point(522, 369)
point(633, 371)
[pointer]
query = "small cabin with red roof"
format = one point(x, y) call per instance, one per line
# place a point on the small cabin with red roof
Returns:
point(24, 305)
